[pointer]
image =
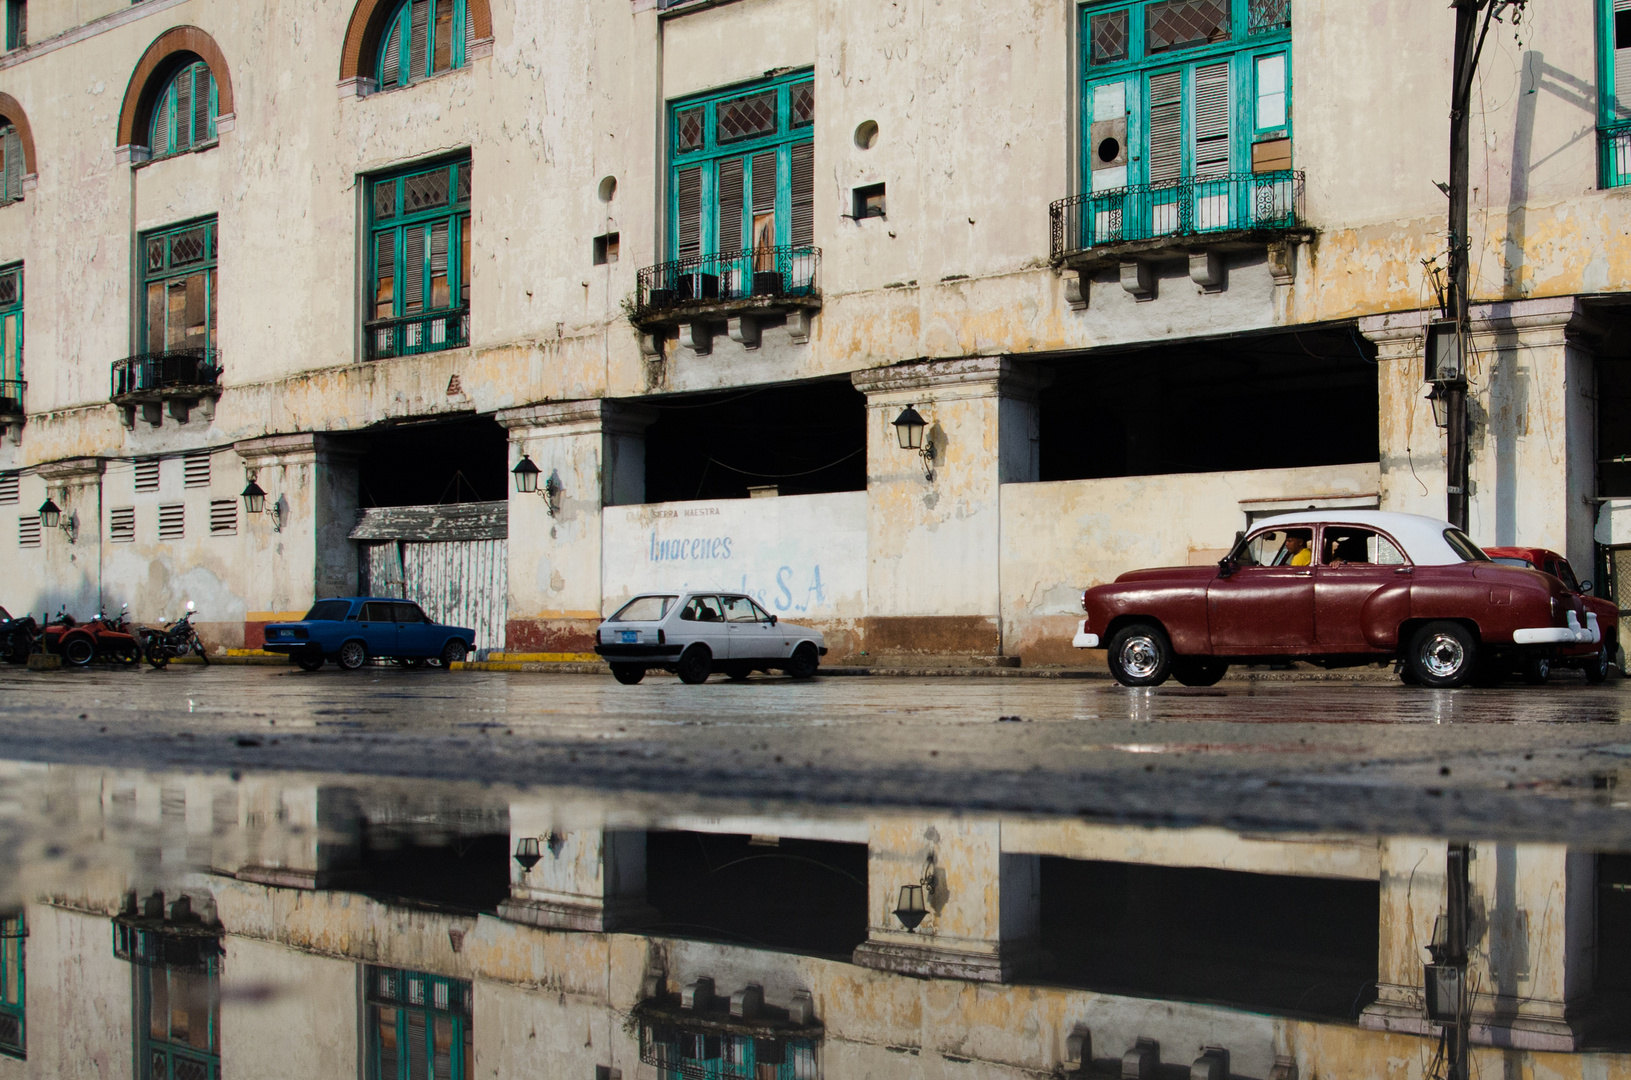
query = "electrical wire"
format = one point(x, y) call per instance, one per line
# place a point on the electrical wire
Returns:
point(785, 476)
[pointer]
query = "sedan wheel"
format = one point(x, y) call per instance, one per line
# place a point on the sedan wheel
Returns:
point(628, 674)
point(1443, 655)
point(1198, 670)
point(695, 666)
point(1536, 670)
point(452, 653)
point(804, 661)
point(1140, 655)
point(1596, 668)
point(79, 651)
point(352, 655)
point(309, 661)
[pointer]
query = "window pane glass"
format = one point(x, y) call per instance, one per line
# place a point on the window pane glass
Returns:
point(688, 129)
point(746, 117)
point(1108, 35)
point(1271, 91)
point(442, 49)
point(804, 103)
point(425, 191)
point(1183, 24)
point(155, 317)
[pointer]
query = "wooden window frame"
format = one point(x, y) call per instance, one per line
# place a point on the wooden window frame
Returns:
point(11, 328)
point(149, 1045)
point(399, 25)
point(169, 272)
point(396, 227)
point(169, 142)
point(442, 998)
point(13, 980)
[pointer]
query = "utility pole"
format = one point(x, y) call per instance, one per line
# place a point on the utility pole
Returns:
point(1455, 949)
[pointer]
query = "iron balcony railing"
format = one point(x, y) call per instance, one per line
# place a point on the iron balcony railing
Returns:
point(11, 395)
point(733, 275)
point(426, 332)
point(1614, 154)
point(178, 369)
point(1237, 202)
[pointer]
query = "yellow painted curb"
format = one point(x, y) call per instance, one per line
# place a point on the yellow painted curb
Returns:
point(542, 658)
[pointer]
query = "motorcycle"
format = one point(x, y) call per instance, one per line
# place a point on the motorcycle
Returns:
point(162, 644)
point(114, 639)
point(18, 635)
point(80, 644)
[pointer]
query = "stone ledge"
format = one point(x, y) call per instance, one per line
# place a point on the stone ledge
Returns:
point(930, 962)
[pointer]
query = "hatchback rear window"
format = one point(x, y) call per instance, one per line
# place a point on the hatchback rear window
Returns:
point(328, 611)
point(644, 609)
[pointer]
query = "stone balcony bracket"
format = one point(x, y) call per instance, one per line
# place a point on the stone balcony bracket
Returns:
point(741, 320)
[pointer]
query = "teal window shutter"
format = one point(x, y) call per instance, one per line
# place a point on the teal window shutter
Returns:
point(178, 298)
point(423, 38)
point(184, 112)
point(419, 256)
point(11, 324)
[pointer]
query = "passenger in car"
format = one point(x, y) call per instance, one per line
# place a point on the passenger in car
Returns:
point(1296, 551)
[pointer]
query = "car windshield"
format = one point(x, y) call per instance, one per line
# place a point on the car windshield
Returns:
point(1565, 574)
point(1508, 560)
point(328, 611)
point(644, 609)
point(1462, 545)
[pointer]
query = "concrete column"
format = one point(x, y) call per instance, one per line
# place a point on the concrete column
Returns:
point(585, 878)
point(1531, 940)
point(983, 904)
point(595, 452)
point(304, 550)
point(73, 567)
point(298, 836)
point(1533, 440)
point(933, 587)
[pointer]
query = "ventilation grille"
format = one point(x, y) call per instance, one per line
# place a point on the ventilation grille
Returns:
point(147, 474)
point(223, 517)
point(196, 469)
point(28, 530)
point(9, 485)
point(122, 525)
point(172, 521)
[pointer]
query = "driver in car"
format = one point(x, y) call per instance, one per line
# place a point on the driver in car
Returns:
point(1296, 552)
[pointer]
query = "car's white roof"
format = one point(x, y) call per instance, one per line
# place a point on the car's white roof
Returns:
point(1421, 537)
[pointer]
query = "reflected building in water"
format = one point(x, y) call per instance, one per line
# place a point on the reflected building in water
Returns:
point(189, 928)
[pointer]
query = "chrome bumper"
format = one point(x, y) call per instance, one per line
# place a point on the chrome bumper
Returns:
point(1084, 640)
point(1572, 634)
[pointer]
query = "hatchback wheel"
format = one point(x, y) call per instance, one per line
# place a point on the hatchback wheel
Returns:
point(628, 674)
point(352, 655)
point(695, 666)
point(804, 661)
point(1140, 655)
point(1443, 655)
point(1198, 670)
point(736, 670)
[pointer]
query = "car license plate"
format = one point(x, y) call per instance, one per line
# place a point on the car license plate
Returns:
point(629, 637)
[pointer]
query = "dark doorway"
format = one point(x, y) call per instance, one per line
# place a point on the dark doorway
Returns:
point(1614, 427)
point(434, 462)
point(805, 439)
point(1304, 946)
point(1272, 401)
point(804, 896)
point(459, 872)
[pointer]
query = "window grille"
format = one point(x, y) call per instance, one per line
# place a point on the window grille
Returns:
point(184, 112)
point(28, 530)
point(10, 487)
point(223, 517)
point(178, 276)
point(172, 521)
point(418, 1025)
point(420, 260)
point(122, 525)
point(424, 38)
point(147, 474)
point(195, 469)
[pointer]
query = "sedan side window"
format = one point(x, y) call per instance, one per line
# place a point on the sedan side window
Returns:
point(1348, 546)
point(1278, 547)
point(740, 609)
point(377, 612)
point(703, 609)
point(409, 613)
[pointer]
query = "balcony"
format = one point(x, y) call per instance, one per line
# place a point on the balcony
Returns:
point(1198, 218)
point(411, 335)
point(12, 416)
point(1614, 154)
point(743, 290)
point(178, 381)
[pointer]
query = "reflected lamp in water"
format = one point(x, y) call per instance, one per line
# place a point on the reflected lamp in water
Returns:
point(528, 851)
point(911, 911)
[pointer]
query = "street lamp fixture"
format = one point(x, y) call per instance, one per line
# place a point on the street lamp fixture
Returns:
point(910, 909)
point(526, 475)
point(254, 498)
point(50, 513)
point(909, 429)
point(529, 849)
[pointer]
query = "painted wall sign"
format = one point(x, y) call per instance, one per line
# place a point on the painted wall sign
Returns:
point(801, 556)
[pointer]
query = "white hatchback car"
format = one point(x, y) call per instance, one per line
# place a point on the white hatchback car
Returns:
point(694, 634)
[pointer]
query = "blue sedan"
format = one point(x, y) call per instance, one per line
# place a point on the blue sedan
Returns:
point(352, 629)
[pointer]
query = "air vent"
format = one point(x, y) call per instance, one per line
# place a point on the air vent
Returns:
point(196, 469)
point(147, 474)
point(172, 519)
point(223, 517)
point(28, 530)
point(9, 484)
point(122, 525)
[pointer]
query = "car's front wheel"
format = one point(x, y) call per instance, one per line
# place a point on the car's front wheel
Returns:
point(1443, 655)
point(352, 655)
point(1596, 668)
point(628, 674)
point(804, 661)
point(309, 661)
point(695, 665)
point(1140, 655)
point(1536, 669)
point(738, 670)
point(1198, 670)
point(452, 653)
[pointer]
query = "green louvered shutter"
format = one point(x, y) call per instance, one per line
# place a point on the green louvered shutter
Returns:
point(1166, 157)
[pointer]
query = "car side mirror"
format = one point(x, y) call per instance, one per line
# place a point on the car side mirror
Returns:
point(1585, 586)
point(773, 620)
point(1227, 565)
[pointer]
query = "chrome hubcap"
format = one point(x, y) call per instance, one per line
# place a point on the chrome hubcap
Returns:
point(1443, 655)
point(1139, 656)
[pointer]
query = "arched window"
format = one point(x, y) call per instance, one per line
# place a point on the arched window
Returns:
point(12, 165)
point(423, 38)
point(184, 113)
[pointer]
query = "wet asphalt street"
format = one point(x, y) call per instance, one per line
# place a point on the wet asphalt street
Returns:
point(1519, 762)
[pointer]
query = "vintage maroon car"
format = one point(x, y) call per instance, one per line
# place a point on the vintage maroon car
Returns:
point(1594, 659)
point(1338, 588)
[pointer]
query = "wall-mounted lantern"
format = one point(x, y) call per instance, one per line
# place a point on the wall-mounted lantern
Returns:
point(1436, 395)
point(909, 430)
point(50, 513)
point(911, 909)
point(526, 475)
point(52, 516)
point(255, 501)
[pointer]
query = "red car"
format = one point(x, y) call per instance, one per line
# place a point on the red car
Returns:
point(1340, 588)
point(1595, 661)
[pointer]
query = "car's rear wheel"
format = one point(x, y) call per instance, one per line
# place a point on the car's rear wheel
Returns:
point(1536, 669)
point(695, 665)
point(352, 655)
point(804, 661)
point(1198, 670)
point(1443, 655)
point(1140, 654)
point(452, 653)
point(309, 661)
point(736, 670)
point(628, 674)
point(1596, 668)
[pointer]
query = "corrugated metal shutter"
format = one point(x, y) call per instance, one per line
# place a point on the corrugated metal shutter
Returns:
point(1166, 127)
point(802, 232)
point(1212, 120)
point(730, 205)
point(461, 583)
point(381, 566)
point(689, 202)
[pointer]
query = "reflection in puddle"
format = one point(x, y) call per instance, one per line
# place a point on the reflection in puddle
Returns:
point(194, 927)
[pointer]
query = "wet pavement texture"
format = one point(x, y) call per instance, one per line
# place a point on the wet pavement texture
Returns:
point(1376, 757)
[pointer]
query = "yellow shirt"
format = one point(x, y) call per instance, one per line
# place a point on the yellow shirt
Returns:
point(1302, 558)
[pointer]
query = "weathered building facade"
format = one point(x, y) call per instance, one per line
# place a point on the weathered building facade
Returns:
point(1149, 269)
